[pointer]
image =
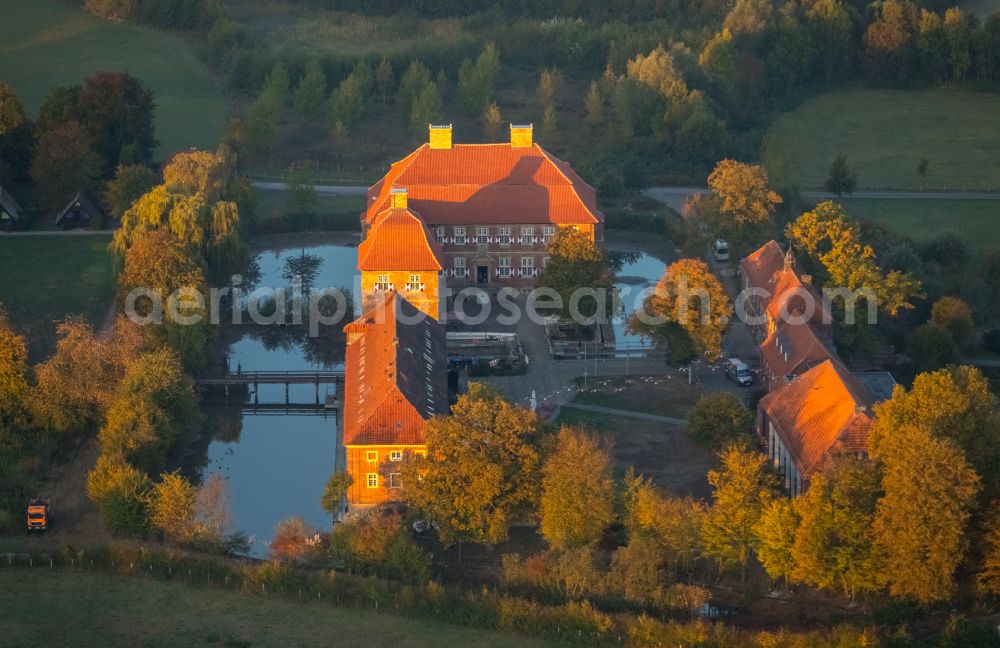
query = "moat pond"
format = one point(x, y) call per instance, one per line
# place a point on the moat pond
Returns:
point(276, 463)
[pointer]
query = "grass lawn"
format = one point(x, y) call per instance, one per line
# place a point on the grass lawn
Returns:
point(46, 43)
point(272, 204)
point(47, 278)
point(664, 453)
point(663, 395)
point(885, 134)
point(41, 608)
point(981, 8)
point(977, 222)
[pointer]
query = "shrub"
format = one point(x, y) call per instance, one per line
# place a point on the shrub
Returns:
point(718, 420)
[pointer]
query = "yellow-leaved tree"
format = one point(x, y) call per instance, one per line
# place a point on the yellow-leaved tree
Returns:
point(197, 204)
point(482, 470)
point(577, 501)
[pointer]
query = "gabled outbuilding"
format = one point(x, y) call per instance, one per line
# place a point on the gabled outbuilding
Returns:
point(79, 212)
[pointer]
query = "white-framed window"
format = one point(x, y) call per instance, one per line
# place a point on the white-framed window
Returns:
point(415, 284)
point(528, 266)
point(439, 232)
point(382, 283)
point(371, 456)
point(527, 232)
point(545, 261)
point(396, 455)
point(503, 235)
point(460, 270)
point(504, 266)
point(548, 232)
point(482, 235)
point(460, 235)
point(395, 480)
point(372, 480)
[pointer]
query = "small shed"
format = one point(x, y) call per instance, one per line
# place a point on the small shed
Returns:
point(10, 211)
point(79, 212)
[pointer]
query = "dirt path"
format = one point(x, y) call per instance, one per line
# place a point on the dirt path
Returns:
point(75, 519)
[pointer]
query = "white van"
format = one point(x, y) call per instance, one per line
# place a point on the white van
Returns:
point(721, 250)
point(739, 372)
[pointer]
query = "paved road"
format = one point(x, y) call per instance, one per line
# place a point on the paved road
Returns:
point(656, 418)
point(333, 190)
point(72, 232)
point(674, 197)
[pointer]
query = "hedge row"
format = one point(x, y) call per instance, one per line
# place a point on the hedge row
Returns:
point(577, 622)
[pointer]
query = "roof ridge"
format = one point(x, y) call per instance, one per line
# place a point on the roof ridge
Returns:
point(552, 160)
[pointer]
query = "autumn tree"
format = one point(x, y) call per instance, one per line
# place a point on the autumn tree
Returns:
point(121, 492)
point(130, 183)
point(954, 403)
point(13, 371)
point(380, 544)
point(920, 521)
point(578, 271)
point(742, 490)
point(212, 516)
point(841, 179)
point(577, 501)
point(481, 472)
point(172, 506)
point(347, 104)
point(335, 491)
point(198, 204)
point(172, 293)
point(310, 94)
point(834, 241)
point(549, 83)
point(955, 316)
point(775, 536)
point(65, 162)
point(742, 192)
point(675, 523)
point(834, 546)
point(77, 383)
point(291, 540)
point(154, 405)
point(687, 312)
point(988, 578)
point(492, 121)
point(718, 420)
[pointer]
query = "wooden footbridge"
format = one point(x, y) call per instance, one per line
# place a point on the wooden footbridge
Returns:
point(255, 379)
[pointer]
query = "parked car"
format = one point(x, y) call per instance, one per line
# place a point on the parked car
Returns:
point(720, 249)
point(739, 372)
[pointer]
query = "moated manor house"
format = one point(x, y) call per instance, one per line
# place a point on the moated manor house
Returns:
point(458, 214)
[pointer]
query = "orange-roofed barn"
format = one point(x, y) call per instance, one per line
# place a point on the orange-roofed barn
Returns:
point(821, 413)
point(491, 207)
point(790, 351)
point(777, 294)
point(396, 380)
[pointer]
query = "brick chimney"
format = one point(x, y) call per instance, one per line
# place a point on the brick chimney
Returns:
point(440, 136)
point(398, 198)
point(520, 135)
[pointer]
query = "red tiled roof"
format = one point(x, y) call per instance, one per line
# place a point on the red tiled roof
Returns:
point(487, 184)
point(795, 298)
point(791, 348)
point(761, 266)
point(823, 411)
point(396, 377)
point(399, 240)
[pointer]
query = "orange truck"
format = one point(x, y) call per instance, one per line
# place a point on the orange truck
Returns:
point(39, 513)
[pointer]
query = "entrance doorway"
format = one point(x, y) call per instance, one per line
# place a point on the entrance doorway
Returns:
point(482, 274)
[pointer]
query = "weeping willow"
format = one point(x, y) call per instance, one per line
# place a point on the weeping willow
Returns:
point(194, 204)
